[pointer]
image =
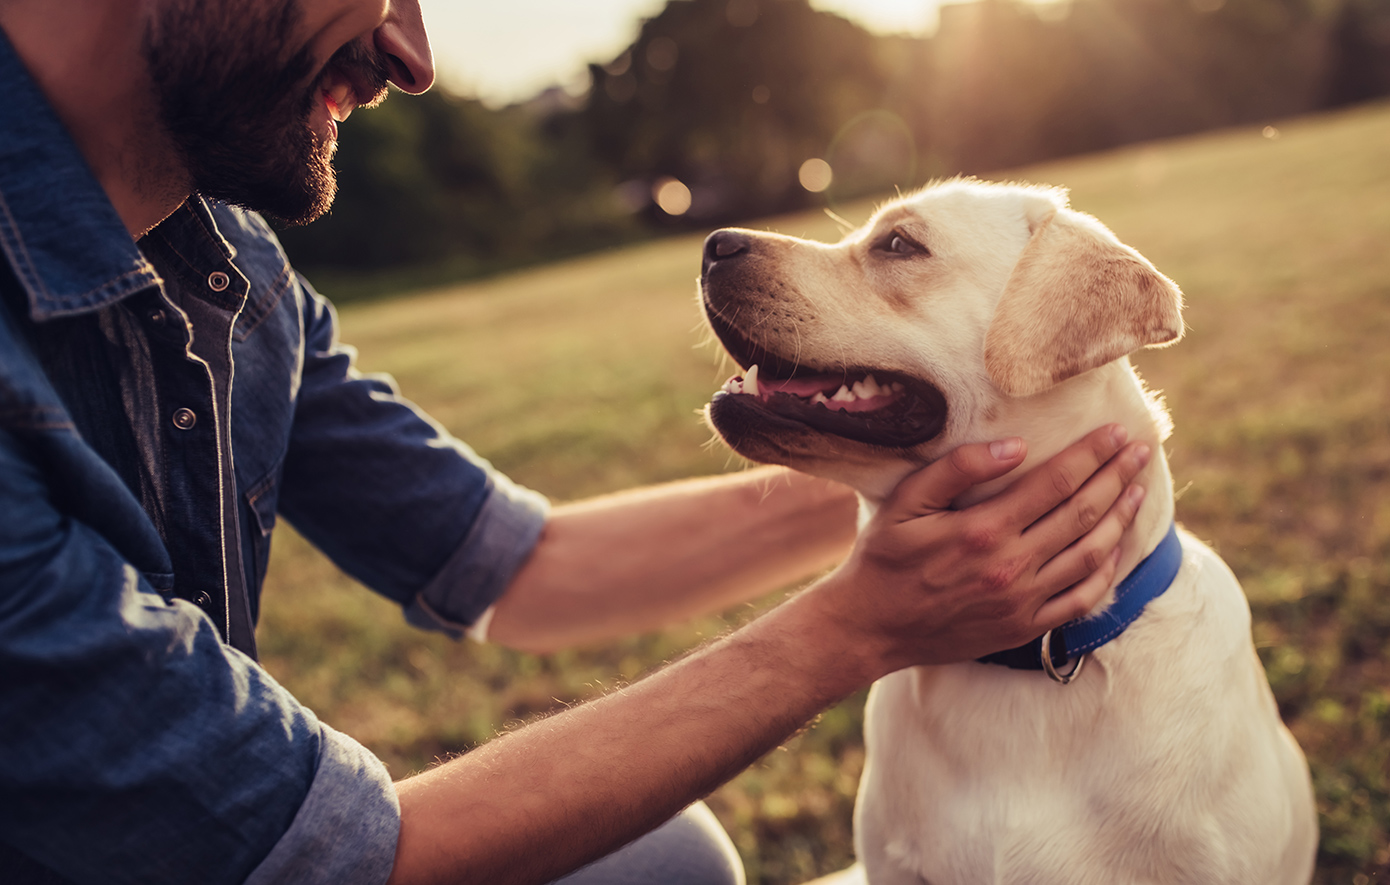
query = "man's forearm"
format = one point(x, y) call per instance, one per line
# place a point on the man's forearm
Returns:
point(647, 558)
point(568, 789)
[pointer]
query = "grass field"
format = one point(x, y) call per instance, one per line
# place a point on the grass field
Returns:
point(585, 377)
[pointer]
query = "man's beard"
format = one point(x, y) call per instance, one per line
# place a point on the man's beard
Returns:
point(237, 104)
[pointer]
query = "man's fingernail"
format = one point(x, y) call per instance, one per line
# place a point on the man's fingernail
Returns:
point(1119, 435)
point(1136, 494)
point(1005, 449)
point(1142, 455)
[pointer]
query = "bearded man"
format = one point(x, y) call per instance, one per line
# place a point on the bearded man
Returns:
point(169, 387)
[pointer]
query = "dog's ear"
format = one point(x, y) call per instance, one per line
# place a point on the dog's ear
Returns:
point(1077, 299)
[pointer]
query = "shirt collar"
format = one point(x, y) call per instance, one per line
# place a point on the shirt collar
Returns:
point(61, 235)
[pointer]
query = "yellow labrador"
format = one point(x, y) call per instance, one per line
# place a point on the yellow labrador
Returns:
point(972, 312)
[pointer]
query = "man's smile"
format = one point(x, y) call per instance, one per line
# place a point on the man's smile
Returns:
point(354, 77)
point(340, 100)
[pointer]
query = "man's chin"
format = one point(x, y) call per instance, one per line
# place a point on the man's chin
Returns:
point(303, 213)
point(308, 202)
point(292, 193)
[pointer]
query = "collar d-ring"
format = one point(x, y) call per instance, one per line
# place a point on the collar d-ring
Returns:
point(1051, 671)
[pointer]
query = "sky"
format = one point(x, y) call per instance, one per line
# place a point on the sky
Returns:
point(505, 50)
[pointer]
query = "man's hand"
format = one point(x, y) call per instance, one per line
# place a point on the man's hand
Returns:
point(926, 584)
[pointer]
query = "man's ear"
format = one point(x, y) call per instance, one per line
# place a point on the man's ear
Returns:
point(1077, 299)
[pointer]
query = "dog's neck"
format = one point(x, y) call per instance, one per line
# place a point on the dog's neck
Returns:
point(1054, 419)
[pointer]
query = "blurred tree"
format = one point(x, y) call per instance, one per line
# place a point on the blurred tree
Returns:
point(1360, 67)
point(1018, 82)
point(440, 179)
point(731, 97)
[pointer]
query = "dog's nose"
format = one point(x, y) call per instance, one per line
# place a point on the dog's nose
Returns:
point(725, 244)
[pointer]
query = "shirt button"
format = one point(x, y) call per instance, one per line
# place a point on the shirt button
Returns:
point(184, 419)
point(158, 317)
point(218, 281)
point(202, 600)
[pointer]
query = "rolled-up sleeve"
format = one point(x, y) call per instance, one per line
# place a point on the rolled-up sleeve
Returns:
point(392, 497)
point(346, 828)
point(136, 747)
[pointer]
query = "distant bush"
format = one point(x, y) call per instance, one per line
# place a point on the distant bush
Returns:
point(438, 179)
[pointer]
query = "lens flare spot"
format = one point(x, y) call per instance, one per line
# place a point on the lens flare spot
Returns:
point(816, 175)
point(672, 196)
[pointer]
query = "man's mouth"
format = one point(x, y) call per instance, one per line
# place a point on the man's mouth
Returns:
point(340, 100)
point(875, 406)
point(355, 77)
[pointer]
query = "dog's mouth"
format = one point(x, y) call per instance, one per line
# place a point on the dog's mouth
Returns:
point(868, 405)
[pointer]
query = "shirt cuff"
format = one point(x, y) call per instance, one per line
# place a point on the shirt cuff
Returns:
point(505, 532)
point(346, 830)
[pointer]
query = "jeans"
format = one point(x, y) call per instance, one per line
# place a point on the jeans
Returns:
point(690, 849)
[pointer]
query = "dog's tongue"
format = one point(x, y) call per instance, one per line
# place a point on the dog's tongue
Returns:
point(802, 387)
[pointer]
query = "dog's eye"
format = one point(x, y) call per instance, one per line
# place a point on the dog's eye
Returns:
point(898, 244)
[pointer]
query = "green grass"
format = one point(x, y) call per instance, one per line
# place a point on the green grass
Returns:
point(585, 376)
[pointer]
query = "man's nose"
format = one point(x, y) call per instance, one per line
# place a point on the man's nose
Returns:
point(403, 39)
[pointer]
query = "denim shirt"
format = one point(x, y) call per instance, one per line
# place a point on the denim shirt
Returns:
point(160, 404)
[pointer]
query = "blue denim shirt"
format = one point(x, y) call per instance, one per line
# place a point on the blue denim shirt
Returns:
point(160, 404)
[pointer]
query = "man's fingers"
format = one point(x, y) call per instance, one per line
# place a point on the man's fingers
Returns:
point(1090, 553)
point(1079, 599)
point(1084, 510)
point(935, 486)
point(1051, 483)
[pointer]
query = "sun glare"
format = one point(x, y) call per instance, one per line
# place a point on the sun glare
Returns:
point(886, 16)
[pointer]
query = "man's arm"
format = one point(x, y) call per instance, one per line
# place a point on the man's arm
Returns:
point(924, 585)
point(647, 558)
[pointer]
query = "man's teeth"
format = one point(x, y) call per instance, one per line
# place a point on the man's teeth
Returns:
point(339, 101)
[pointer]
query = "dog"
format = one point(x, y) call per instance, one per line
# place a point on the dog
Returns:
point(969, 312)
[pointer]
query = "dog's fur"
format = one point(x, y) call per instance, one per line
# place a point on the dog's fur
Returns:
point(1165, 761)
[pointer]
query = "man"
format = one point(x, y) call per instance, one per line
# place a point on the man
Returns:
point(168, 386)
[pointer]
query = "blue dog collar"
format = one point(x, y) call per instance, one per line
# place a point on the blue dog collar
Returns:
point(1146, 583)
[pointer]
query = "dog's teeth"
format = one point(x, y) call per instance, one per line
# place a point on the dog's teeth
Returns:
point(844, 395)
point(819, 400)
point(750, 381)
point(862, 390)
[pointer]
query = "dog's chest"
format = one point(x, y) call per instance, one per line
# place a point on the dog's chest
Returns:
point(980, 774)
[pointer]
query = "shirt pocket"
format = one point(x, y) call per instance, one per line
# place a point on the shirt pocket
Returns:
point(262, 500)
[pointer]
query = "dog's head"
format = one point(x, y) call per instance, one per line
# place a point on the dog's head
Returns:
point(880, 353)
